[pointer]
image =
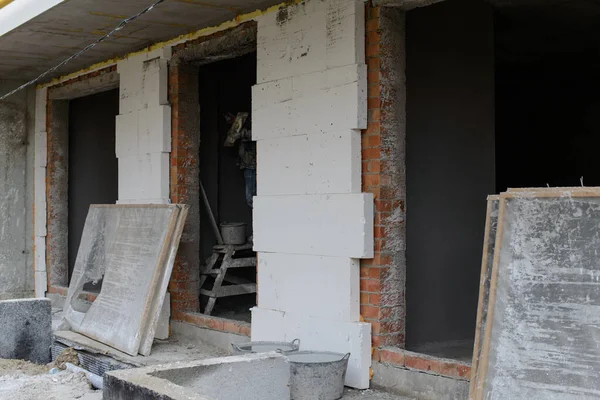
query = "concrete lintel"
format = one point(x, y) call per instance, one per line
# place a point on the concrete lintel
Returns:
point(405, 4)
point(233, 43)
point(99, 83)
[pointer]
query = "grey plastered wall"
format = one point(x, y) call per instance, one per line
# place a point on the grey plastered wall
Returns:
point(16, 192)
point(450, 164)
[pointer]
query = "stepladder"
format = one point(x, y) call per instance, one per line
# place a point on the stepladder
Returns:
point(218, 266)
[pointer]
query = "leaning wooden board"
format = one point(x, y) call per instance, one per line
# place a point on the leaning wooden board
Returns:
point(542, 338)
point(128, 247)
point(487, 260)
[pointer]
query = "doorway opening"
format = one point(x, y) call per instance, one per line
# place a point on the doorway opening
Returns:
point(228, 173)
point(92, 164)
point(499, 94)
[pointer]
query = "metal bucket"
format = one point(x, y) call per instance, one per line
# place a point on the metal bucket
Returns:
point(265, 347)
point(317, 375)
point(233, 233)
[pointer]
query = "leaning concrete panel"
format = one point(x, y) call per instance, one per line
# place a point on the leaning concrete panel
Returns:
point(26, 330)
point(132, 249)
point(260, 377)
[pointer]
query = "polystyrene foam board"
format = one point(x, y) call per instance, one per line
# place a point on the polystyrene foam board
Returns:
point(325, 163)
point(144, 177)
point(283, 279)
point(319, 334)
point(339, 225)
point(328, 110)
point(41, 149)
point(154, 130)
point(40, 253)
point(309, 37)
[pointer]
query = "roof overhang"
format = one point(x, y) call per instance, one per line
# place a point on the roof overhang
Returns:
point(44, 40)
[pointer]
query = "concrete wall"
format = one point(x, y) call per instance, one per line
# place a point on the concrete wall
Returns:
point(450, 164)
point(310, 215)
point(16, 193)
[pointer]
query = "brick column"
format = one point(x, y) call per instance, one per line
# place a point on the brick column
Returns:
point(185, 183)
point(383, 174)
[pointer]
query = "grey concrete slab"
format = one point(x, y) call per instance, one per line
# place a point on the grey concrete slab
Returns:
point(252, 377)
point(26, 329)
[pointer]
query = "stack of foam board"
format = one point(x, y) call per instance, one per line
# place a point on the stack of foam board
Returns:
point(132, 249)
point(538, 327)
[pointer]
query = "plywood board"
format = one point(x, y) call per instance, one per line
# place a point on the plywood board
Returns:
point(542, 338)
point(128, 247)
point(487, 260)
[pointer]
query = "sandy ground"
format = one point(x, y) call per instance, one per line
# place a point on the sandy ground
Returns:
point(20, 380)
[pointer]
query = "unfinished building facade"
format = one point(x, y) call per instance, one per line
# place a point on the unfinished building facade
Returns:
point(380, 129)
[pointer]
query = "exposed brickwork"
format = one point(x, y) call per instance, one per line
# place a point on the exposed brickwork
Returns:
point(185, 183)
point(214, 323)
point(382, 278)
point(435, 366)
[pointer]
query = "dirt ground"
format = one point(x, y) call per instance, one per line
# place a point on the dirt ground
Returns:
point(21, 380)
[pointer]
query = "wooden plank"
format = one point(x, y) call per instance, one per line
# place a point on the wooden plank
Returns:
point(542, 338)
point(487, 260)
point(232, 290)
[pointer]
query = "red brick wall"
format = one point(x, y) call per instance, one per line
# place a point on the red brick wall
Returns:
point(382, 283)
point(184, 183)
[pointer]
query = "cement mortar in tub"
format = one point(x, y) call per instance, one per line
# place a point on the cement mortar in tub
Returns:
point(317, 375)
point(266, 347)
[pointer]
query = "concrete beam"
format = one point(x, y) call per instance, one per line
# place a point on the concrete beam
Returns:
point(405, 4)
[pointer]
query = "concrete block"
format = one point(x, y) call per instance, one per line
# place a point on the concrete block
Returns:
point(154, 130)
point(41, 149)
point(39, 199)
point(261, 376)
point(339, 225)
point(162, 326)
point(144, 177)
point(327, 110)
point(335, 295)
point(40, 254)
point(218, 339)
point(334, 163)
point(26, 330)
point(126, 135)
point(40, 284)
point(321, 335)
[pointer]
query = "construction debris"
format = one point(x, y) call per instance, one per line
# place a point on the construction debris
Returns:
point(131, 248)
point(538, 325)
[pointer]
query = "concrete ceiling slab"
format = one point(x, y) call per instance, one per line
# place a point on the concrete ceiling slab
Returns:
point(46, 40)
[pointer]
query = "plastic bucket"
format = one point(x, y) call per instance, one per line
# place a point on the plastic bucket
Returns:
point(265, 347)
point(317, 375)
